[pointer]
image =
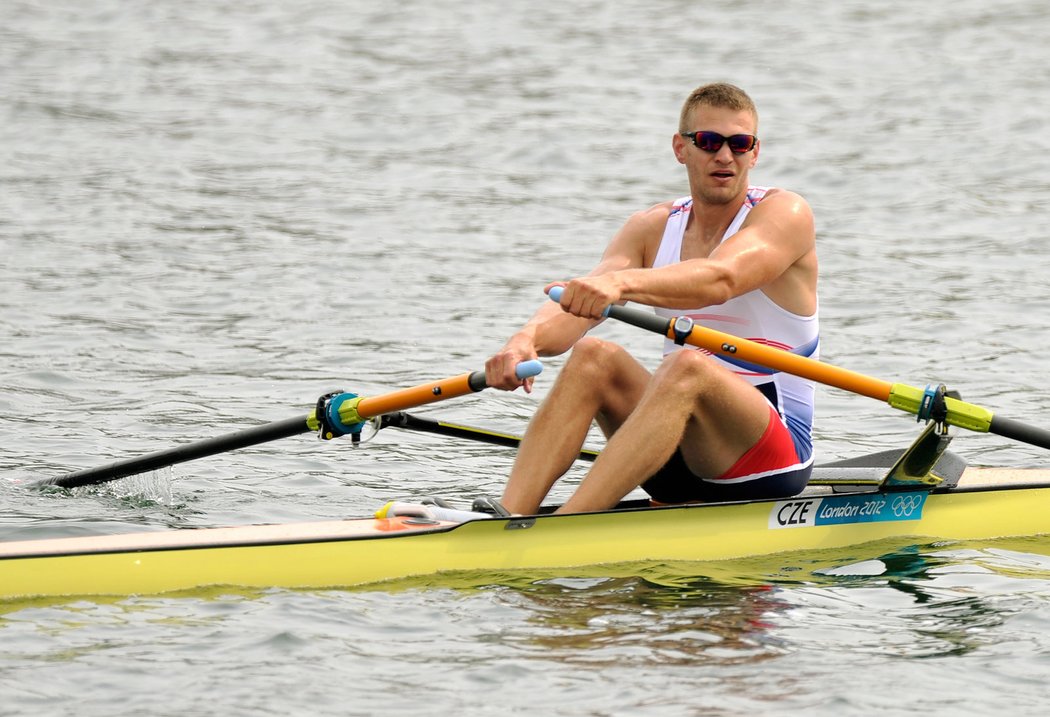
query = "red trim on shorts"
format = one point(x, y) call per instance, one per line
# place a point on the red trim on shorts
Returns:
point(774, 451)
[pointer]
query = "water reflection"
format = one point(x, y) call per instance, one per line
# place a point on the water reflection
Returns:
point(633, 620)
point(908, 601)
point(920, 601)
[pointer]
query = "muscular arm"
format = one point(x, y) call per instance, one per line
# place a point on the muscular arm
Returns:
point(773, 251)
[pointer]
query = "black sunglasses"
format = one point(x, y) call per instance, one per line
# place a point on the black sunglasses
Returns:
point(712, 141)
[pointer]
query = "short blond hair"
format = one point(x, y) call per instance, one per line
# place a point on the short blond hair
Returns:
point(716, 94)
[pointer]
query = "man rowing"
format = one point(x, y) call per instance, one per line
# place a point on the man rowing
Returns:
point(734, 257)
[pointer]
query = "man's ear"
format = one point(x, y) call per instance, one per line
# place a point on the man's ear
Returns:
point(678, 146)
point(754, 153)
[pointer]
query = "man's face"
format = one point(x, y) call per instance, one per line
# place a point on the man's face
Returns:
point(717, 177)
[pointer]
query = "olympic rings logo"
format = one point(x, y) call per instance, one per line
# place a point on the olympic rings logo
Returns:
point(904, 505)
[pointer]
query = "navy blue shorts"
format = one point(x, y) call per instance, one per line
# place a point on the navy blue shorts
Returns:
point(675, 483)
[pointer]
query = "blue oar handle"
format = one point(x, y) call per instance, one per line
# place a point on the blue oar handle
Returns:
point(528, 369)
point(556, 292)
point(524, 370)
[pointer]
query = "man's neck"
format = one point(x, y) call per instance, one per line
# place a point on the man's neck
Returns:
point(708, 224)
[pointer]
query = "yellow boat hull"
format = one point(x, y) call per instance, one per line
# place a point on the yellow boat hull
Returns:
point(987, 505)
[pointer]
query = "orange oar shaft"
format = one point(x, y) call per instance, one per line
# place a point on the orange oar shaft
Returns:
point(898, 395)
point(733, 347)
point(416, 396)
point(361, 409)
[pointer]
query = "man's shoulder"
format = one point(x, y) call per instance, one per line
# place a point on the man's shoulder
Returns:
point(653, 217)
point(781, 195)
point(642, 232)
point(665, 208)
point(778, 202)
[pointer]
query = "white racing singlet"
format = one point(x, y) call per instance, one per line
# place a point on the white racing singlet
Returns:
point(756, 317)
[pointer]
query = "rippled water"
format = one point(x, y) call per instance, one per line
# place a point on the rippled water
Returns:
point(212, 212)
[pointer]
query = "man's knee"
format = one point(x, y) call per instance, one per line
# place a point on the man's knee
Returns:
point(688, 371)
point(593, 356)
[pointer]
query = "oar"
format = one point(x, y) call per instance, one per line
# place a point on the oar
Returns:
point(340, 414)
point(411, 422)
point(898, 395)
